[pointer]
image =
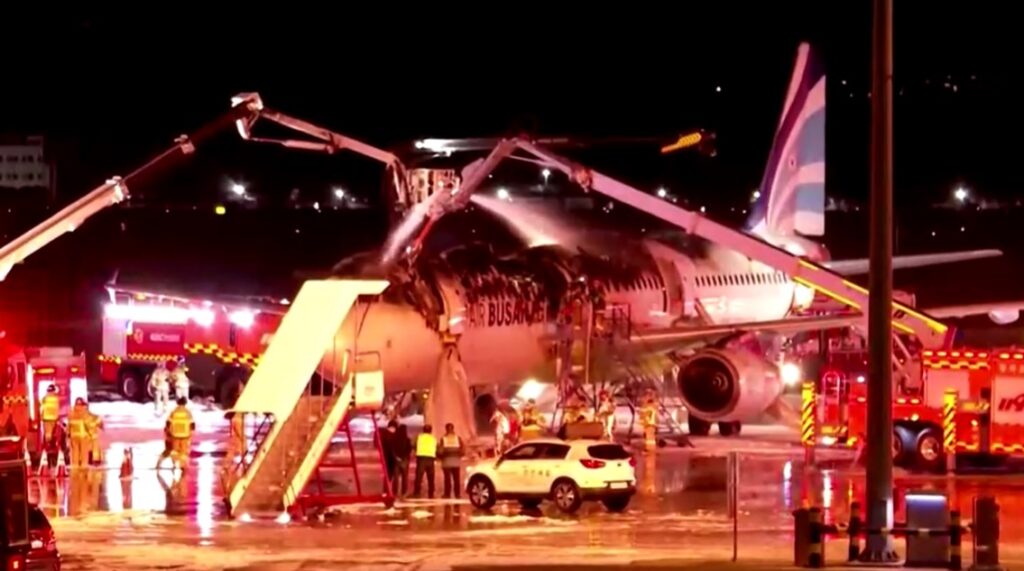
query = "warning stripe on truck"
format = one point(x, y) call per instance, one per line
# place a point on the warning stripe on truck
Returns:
point(248, 359)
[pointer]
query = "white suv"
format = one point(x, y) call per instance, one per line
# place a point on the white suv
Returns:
point(566, 472)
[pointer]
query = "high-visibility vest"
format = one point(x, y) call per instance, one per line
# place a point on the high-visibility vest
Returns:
point(649, 415)
point(49, 410)
point(93, 424)
point(426, 446)
point(451, 441)
point(181, 422)
point(77, 423)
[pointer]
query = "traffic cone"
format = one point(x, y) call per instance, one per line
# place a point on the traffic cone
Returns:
point(62, 468)
point(126, 465)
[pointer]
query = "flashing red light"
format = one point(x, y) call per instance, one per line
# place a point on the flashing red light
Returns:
point(16, 563)
point(591, 463)
point(45, 371)
point(632, 461)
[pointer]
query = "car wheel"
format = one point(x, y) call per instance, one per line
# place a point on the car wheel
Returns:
point(529, 503)
point(481, 493)
point(697, 426)
point(929, 451)
point(616, 504)
point(566, 495)
point(132, 384)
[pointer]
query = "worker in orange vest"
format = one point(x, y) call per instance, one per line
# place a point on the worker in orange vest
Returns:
point(78, 432)
point(179, 430)
point(49, 412)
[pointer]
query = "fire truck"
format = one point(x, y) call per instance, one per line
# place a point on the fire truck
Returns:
point(968, 403)
point(26, 375)
point(219, 342)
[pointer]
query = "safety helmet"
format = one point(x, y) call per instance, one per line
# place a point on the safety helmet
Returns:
point(171, 364)
point(51, 389)
point(79, 401)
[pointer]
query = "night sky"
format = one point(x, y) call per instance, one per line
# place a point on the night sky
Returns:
point(109, 87)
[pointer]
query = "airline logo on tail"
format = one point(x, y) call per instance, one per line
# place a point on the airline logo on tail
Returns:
point(792, 192)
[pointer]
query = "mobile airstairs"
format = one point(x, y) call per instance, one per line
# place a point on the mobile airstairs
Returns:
point(299, 400)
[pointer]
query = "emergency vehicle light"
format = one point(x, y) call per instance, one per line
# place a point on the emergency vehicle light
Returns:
point(45, 371)
point(158, 314)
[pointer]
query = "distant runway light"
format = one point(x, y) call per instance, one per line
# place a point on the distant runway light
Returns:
point(960, 194)
point(662, 193)
point(339, 193)
point(718, 89)
point(503, 194)
point(238, 189)
point(703, 210)
point(545, 173)
point(756, 195)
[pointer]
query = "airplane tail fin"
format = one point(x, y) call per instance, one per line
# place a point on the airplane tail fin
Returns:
point(791, 196)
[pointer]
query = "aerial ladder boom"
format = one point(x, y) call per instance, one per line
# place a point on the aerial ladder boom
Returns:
point(246, 109)
point(107, 194)
point(930, 332)
point(327, 141)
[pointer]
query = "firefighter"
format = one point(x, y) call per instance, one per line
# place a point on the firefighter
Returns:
point(159, 383)
point(502, 428)
point(531, 421)
point(178, 379)
point(78, 432)
point(451, 461)
point(426, 453)
point(49, 412)
point(649, 420)
point(179, 430)
point(94, 425)
point(606, 415)
point(573, 411)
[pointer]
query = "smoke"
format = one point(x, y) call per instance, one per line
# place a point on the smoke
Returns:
point(404, 232)
point(535, 225)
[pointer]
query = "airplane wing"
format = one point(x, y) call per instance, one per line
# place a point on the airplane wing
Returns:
point(860, 265)
point(1001, 313)
point(793, 325)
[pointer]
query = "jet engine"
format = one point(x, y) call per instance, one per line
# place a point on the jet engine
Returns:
point(728, 385)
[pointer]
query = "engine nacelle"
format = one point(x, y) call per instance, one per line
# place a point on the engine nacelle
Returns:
point(728, 385)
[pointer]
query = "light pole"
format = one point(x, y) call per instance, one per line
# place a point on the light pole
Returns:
point(879, 547)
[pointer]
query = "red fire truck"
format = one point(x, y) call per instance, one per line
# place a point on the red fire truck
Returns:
point(25, 376)
point(219, 341)
point(966, 402)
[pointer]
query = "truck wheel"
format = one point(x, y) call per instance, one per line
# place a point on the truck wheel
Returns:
point(697, 426)
point(230, 388)
point(928, 449)
point(729, 428)
point(132, 384)
point(902, 440)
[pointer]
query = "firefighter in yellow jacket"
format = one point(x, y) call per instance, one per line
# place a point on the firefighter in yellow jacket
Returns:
point(78, 433)
point(49, 412)
point(179, 435)
point(94, 425)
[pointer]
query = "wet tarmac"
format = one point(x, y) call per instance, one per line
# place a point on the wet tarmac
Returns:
point(161, 519)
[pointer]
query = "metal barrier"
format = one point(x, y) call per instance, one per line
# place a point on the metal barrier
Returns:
point(810, 533)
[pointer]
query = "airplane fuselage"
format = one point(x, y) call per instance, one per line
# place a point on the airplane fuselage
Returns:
point(504, 315)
